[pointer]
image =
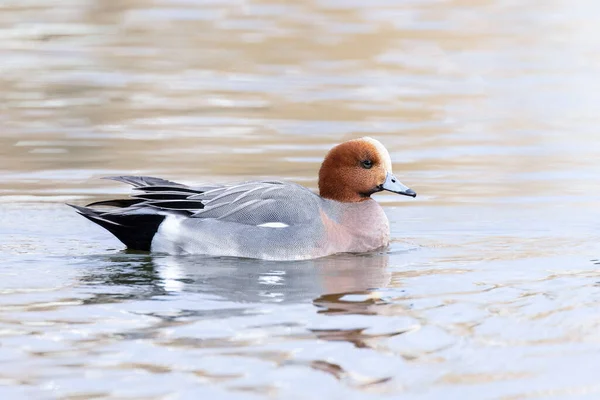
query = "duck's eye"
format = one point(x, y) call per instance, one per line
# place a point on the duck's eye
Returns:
point(366, 164)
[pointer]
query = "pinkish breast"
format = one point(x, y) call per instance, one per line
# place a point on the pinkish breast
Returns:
point(356, 227)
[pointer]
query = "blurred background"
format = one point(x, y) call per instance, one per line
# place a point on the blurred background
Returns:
point(468, 92)
point(489, 109)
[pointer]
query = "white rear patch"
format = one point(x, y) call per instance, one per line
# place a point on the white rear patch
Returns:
point(383, 153)
point(273, 225)
point(169, 228)
point(167, 235)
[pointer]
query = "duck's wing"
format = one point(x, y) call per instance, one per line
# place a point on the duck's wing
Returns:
point(140, 181)
point(261, 202)
point(257, 203)
point(159, 194)
point(250, 203)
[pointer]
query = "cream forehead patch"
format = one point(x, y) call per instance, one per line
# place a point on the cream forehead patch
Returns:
point(383, 153)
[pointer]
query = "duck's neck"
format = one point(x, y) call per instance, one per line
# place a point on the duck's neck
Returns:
point(334, 187)
point(343, 195)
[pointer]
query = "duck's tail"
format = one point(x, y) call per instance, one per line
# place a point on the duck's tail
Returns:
point(135, 221)
point(134, 230)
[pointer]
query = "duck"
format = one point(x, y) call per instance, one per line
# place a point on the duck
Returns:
point(260, 219)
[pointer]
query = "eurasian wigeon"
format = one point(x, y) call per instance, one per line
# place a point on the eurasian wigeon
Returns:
point(261, 219)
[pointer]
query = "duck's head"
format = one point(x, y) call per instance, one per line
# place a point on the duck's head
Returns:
point(352, 171)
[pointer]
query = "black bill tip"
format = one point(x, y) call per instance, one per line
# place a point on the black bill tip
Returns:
point(409, 192)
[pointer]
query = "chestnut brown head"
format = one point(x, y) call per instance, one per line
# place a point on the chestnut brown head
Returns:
point(352, 171)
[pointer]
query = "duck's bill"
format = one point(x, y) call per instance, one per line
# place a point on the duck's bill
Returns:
point(392, 184)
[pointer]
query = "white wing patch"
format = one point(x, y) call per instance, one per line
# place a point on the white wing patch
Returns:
point(273, 225)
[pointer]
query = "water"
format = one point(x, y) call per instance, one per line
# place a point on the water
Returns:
point(489, 290)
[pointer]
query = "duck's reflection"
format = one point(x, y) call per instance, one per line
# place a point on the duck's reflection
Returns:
point(342, 284)
point(252, 281)
point(326, 282)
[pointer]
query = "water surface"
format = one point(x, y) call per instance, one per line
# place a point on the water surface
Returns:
point(489, 290)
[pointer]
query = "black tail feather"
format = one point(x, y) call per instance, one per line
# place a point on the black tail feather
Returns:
point(162, 196)
point(121, 203)
point(134, 230)
point(186, 205)
point(168, 188)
